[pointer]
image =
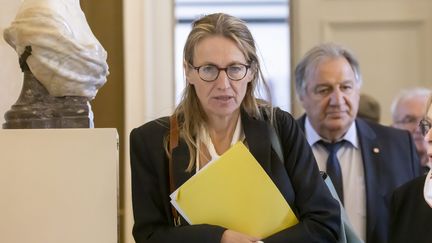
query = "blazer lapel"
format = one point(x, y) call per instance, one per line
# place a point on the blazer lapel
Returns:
point(301, 122)
point(370, 151)
point(257, 138)
point(180, 164)
point(180, 161)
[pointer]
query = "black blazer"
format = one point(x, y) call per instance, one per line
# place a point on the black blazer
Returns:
point(410, 215)
point(389, 159)
point(298, 179)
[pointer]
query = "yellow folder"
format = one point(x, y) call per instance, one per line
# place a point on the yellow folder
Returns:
point(234, 192)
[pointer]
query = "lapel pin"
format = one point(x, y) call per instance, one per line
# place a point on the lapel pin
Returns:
point(376, 150)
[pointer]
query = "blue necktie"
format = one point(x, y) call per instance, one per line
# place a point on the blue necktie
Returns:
point(333, 166)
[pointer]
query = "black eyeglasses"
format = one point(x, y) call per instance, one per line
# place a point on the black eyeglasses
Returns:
point(425, 126)
point(210, 73)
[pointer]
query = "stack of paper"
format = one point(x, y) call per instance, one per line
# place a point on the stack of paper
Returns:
point(234, 192)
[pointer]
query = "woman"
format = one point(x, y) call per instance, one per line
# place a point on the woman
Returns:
point(411, 207)
point(218, 109)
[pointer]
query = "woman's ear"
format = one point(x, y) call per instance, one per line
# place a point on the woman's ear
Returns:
point(253, 72)
point(188, 72)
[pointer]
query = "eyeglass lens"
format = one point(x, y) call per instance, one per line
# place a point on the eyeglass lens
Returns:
point(211, 72)
point(425, 126)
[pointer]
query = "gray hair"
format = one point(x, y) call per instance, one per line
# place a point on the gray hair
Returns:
point(308, 64)
point(409, 94)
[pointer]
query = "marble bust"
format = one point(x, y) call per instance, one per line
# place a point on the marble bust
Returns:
point(57, 48)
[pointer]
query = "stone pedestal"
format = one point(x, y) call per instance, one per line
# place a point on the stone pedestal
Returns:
point(59, 185)
point(36, 108)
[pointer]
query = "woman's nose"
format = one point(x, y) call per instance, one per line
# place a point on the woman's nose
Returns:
point(223, 82)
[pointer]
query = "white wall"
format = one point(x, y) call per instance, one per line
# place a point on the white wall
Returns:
point(10, 73)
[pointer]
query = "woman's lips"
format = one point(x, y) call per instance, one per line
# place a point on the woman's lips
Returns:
point(223, 97)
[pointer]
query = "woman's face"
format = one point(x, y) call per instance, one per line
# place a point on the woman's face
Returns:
point(428, 136)
point(221, 97)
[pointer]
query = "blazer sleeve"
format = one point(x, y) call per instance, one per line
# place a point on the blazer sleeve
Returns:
point(150, 193)
point(318, 212)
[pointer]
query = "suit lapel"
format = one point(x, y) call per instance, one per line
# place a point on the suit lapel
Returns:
point(370, 151)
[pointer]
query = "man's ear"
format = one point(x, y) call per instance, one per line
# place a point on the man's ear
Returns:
point(300, 95)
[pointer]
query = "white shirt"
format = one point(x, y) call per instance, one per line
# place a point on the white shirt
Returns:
point(205, 139)
point(352, 167)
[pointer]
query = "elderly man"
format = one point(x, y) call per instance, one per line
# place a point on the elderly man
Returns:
point(407, 110)
point(366, 161)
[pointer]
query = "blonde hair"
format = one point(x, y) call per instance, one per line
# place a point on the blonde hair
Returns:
point(189, 112)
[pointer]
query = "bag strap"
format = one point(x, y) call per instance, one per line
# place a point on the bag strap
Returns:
point(274, 138)
point(173, 143)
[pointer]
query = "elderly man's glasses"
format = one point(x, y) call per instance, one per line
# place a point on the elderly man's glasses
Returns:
point(425, 126)
point(209, 73)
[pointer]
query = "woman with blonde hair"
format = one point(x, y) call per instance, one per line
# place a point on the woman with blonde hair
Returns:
point(218, 109)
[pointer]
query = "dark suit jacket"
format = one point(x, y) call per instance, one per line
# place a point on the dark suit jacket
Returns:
point(298, 179)
point(410, 215)
point(390, 159)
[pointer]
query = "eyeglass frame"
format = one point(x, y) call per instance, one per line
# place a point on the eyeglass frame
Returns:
point(409, 120)
point(425, 126)
point(225, 69)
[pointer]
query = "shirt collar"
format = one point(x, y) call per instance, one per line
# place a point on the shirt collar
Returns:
point(313, 137)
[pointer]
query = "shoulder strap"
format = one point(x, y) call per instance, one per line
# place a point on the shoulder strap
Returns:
point(173, 142)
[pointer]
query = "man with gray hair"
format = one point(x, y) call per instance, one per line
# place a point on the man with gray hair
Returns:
point(407, 110)
point(365, 161)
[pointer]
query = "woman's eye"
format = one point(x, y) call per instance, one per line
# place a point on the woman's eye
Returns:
point(235, 69)
point(208, 68)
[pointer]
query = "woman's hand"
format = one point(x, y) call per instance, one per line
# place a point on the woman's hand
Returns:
point(231, 236)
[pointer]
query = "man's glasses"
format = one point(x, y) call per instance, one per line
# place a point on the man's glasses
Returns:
point(408, 122)
point(209, 73)
point(425, 126)
point(409, 119)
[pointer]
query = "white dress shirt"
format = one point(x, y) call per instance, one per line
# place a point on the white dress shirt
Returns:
point(351, 163)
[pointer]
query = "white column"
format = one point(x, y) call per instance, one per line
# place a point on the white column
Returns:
point(149, 74)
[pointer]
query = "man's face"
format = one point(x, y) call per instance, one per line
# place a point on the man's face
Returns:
point(408, 114)
point(331, 97)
